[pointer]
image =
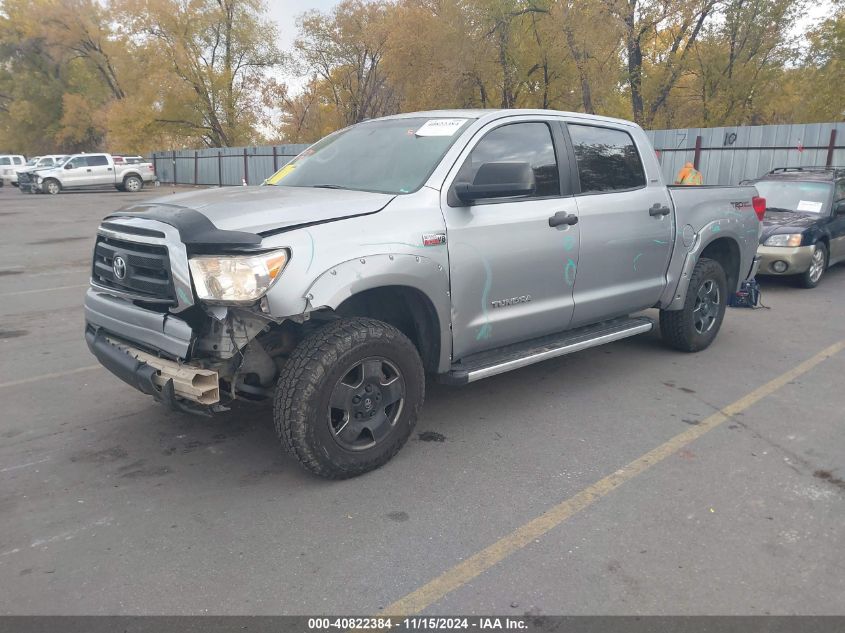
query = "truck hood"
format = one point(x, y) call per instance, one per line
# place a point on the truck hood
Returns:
point(786, 222)
point(267, 209)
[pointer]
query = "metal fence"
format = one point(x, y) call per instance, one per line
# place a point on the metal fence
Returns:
point(724, 155)
point(222, 166)
point(727, 155)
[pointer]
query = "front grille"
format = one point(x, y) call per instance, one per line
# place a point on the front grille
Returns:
point(147, 275)
point(24, 177)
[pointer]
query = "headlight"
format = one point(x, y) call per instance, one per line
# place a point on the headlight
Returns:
point(240, 279)
point(784, 239)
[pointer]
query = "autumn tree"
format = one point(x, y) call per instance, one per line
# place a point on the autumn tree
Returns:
point(219, 51)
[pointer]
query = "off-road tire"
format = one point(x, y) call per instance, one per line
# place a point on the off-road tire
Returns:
point(677, 327)
point(301, 404)
point(132, 184)
point(47, 187)
point(806, 280)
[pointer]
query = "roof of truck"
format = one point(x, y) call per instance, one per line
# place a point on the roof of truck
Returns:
point(495, 113)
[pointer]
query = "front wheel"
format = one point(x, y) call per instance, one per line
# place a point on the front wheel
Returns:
point(348, 397)
point(693, 327)
point(818, 264)
point(51, 186)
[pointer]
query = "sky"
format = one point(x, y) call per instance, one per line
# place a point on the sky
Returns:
point(285, 12)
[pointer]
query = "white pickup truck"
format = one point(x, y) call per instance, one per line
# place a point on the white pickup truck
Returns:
point(89, 171)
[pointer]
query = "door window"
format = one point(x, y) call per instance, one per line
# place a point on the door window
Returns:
point(97, 161)
point(607, 159)
point(79, 161)
point(518, 142)
point(5, 161)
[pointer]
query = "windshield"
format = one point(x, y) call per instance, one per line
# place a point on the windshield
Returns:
point(786, 195)
point(31, 162)
point(389, 156)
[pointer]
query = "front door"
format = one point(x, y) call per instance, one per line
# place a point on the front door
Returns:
point(626, 226)
point(512, 273)
point(77, 173)
point(837, 225)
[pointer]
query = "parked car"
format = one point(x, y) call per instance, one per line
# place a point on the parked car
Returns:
point(25, 175)
point(87, 171)
point(8, 163)
point(462, 243)
point(804, 226)
point(127, 160)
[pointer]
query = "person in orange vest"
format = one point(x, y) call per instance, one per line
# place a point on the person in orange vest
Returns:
point(688, 175)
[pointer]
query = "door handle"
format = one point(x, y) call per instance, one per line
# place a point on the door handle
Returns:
point(562, 217)
point(108, 169)
point(657, 210)
point(88, 170)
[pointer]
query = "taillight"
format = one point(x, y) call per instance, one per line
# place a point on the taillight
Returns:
point(759, 205)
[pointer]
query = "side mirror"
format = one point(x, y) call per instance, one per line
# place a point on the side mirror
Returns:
point(498, 180)
point(839, 207)
point(69, 166)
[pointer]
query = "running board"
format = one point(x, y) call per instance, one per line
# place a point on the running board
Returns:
point(500, 360)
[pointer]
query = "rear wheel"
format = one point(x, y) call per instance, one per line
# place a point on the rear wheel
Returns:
point(694, 327)
point(818, 264)
point(132, 184)
point(348, 397)
point(51, 186)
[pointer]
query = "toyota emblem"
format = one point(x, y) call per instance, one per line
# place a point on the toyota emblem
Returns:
point(119, 267)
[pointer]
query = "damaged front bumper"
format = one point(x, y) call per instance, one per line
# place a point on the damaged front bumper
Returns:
point(194, 363)
point(155, 330)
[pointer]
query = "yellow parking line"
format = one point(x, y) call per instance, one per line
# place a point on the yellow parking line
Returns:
point(480, 562)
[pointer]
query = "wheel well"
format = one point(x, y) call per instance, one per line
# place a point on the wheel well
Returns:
point(138, 176)
point(405, 308)
point(725, 251)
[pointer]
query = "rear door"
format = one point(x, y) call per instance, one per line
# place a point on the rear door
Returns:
point(511, 272)
point(626, 225)
point(100, 170)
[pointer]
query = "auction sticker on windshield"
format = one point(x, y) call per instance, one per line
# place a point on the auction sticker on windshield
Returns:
point(809, 206)
point(440, 127)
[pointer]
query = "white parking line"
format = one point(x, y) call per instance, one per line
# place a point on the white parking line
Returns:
point(36, 290)
point(10, 468)
point(58, 374)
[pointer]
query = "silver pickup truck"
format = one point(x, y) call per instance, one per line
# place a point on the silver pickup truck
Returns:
point(93, 171)
point(461, 244)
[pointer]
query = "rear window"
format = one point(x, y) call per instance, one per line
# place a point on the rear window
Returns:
point(607, 159)
point(795, 195)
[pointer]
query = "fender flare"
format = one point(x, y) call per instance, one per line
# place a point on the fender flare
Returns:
point(353, 276)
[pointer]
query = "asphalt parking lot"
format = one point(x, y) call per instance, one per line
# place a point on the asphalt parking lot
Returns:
point(606, 482)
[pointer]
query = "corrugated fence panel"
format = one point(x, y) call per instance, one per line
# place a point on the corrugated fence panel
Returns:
point(226, 166)
point(732, 154)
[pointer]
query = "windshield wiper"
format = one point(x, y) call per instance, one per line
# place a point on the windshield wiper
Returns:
point(781, 209)
point(327, 187)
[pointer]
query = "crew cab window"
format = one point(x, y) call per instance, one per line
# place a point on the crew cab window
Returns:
point(17, 160)
point(607, 159)
point(518, 142)
point(5, 161)
point(97, 161)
